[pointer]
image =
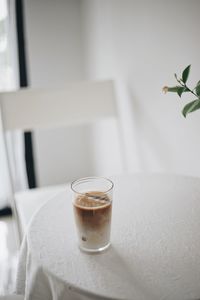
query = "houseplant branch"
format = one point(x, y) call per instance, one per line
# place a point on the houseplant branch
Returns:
point(183, 88)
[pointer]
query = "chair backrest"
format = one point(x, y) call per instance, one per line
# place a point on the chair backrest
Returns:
point(77, 102)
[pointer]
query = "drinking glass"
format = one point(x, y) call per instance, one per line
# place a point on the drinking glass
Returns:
point(92, 203)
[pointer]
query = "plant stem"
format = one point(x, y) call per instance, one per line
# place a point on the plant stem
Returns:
point(184, 85)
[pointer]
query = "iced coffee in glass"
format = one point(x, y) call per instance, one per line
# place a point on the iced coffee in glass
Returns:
point(92, 203)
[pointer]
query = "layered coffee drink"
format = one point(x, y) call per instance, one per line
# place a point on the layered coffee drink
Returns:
point(93, 219)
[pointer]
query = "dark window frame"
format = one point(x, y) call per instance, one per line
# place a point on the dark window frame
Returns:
point(23, 82)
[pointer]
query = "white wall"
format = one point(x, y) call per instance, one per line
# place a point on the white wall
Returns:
point(53, 41)
point(55, 55)
point(138, 43)
point(142, 44)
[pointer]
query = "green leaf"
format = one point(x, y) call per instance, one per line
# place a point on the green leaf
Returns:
point(197, 88)
point(180, 90)
point(185, 74)
point(186, 90)
point(190, 107)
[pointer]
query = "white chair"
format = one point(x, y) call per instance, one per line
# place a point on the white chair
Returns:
point(29, 109)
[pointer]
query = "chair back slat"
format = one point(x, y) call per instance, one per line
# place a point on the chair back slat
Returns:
point(76, 103)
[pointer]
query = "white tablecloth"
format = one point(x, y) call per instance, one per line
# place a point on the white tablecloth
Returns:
point(155, 252)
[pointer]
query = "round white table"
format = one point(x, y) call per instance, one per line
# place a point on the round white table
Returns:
point(155, 252)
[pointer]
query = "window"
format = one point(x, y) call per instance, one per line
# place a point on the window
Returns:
point(9, 81)
point(8, 65)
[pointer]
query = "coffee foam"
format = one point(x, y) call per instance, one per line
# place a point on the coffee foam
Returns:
point(92, 200)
